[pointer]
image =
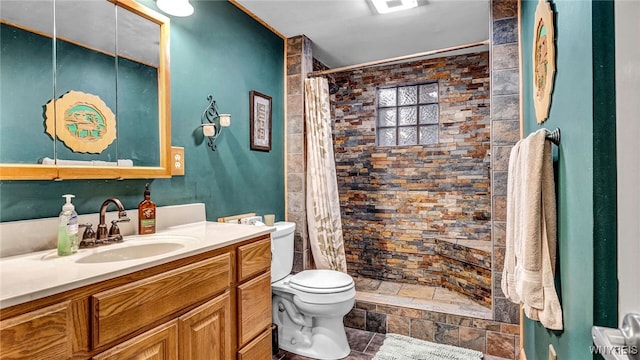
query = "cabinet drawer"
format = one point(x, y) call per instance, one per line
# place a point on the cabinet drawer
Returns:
point(160, 343)
point(125, 309)
point(41, 334)
point(254, 258)
point(254, 307)
point(258, 349)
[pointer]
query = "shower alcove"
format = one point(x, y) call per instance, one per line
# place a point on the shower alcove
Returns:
point(417, 218)
point(423, 225)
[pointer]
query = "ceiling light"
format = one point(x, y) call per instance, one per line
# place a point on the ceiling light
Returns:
point(175, 7)
point(388, 6)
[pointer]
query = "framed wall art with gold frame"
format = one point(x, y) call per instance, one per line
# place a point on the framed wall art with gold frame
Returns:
point(544, 60)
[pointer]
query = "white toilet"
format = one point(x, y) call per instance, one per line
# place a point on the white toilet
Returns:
point(308, 307)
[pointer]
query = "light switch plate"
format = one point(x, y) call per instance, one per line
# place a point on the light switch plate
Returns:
point(177, 161)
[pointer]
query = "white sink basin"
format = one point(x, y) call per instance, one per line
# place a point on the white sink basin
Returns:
point(172, 238)
point(137, 247)
point(130, 252)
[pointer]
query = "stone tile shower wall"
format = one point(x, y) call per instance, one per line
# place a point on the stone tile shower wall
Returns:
point(505, 125)
point(399, 203)
point(299, 63)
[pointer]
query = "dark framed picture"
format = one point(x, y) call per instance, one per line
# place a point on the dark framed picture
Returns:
point(260, 121)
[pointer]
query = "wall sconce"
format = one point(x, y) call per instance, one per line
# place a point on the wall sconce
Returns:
point(175, 7)
point(212, 122)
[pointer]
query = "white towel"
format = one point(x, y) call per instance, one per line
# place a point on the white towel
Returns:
point(530, 255)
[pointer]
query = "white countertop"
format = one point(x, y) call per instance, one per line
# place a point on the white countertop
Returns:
point(39, 274)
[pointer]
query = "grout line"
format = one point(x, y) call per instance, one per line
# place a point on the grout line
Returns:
point(369, 343)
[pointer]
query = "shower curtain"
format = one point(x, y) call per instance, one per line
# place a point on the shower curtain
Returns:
point(323, 206)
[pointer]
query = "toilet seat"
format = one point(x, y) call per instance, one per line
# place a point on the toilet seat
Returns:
point(315, 290)
point(321, 281)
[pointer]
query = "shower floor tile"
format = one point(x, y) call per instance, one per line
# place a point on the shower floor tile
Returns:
point(418, 297)
point(446, 295)
point(389, 288)
point(366, 284)
point(417, 291)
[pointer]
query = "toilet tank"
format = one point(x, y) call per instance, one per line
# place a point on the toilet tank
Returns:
point(282, 250)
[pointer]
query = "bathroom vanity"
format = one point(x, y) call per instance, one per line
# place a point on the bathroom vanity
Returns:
point(209, 298)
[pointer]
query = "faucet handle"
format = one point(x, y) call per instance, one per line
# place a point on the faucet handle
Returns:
point(114, 231)
point(88, 236)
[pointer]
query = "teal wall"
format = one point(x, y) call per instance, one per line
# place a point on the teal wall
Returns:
point(218, 50)
point(575, 104)
point(25, 58)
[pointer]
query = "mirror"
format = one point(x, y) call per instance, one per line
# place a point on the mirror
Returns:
point(91, 101)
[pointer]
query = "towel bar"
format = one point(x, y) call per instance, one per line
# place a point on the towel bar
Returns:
point(554, 136)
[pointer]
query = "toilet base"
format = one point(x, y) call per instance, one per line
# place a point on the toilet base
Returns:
point(326, 340)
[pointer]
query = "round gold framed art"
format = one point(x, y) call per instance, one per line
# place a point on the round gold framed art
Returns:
point(82, 121)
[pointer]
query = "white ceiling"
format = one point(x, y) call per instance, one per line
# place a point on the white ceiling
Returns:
point(88, 23)
point(348, 32)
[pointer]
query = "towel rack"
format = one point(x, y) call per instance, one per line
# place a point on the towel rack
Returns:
point(554, 136)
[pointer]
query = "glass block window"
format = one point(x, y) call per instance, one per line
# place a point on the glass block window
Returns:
point(407, 115)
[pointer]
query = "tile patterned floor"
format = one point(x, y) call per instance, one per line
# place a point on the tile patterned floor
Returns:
point(364, 345)
point(418, 297)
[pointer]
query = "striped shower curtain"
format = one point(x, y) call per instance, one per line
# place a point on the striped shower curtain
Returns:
point(323, 206)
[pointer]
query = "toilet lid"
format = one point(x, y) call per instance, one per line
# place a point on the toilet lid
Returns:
point(321, 281)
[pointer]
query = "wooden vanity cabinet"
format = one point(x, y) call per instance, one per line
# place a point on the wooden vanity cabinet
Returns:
point(40, 334)
point(210, 306)
point(254, 300)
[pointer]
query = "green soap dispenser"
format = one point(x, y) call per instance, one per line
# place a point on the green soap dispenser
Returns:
point(68, 228)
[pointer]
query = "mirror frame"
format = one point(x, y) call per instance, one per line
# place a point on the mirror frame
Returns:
point(62, 172)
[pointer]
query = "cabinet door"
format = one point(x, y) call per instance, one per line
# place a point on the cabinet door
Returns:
point(41, 334)
point(254, 307)
point(205, 332)
point(160, 343)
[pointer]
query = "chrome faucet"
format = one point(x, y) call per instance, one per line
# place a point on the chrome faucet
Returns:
point(114, 233)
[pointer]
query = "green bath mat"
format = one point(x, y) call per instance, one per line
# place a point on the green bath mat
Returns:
point(400, 347)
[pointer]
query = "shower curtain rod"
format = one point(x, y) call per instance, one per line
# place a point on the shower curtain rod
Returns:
point(399, 58)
